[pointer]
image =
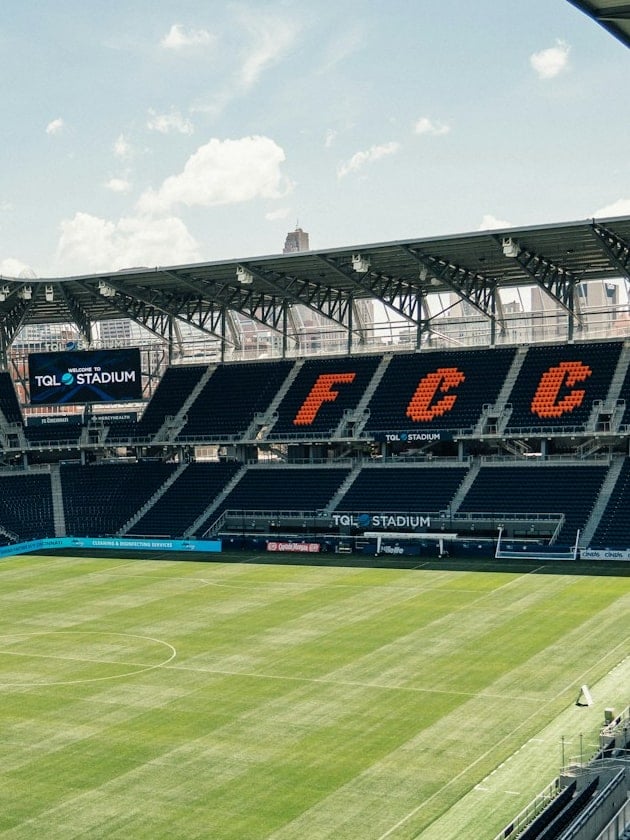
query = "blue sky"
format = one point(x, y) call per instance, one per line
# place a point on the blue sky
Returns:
point(160, 133)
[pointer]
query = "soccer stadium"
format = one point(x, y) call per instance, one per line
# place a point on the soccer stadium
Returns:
point(322, 544)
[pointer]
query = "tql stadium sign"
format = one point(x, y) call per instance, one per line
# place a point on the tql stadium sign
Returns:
point(387, 521)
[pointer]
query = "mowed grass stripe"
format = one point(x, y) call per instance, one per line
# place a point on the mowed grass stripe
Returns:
point(426, 765)
point(186, 753)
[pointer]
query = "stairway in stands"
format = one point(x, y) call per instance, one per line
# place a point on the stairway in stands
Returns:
point(149, 504)
point(601, 501)
point(353, 421)
point(215, 504)
point(464, 487)
point(57, 501)
point(495, 417)
point(263, 421)
point(172, 425)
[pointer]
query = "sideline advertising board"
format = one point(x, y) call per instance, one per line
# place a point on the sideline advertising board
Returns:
point(106, 543)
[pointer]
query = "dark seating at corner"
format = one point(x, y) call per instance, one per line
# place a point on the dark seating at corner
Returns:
point(100, 499)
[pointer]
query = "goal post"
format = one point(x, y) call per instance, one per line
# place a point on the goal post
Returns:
point(440, 538)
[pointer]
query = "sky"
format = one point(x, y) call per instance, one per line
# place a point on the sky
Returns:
point(155, 133)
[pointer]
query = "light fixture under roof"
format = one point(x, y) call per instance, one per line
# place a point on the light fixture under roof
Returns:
point(105, 289)
point(510, 246)
point(360, 263)
point(243, 275)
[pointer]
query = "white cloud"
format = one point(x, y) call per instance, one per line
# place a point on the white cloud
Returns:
point(424, 125)
point(346, 42)
point(10, 267)
point(55, 126)
point(552, 61)
point(263, 41)
point(89, 243)
point(490, 222)
point(223, 172)
point(359, 160)
point(621, 207)
point(275, 215)
point(165, 123)
point(180, 38)
point(122, 148)
point(118, 185)
point(270, 38)
point(331, 134)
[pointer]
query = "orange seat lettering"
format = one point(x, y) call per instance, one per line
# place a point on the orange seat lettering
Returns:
point(422, 406)
point(546, 402)
point(321, 392)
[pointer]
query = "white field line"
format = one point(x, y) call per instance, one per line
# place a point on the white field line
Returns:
point(349, 683)
point(138, 668)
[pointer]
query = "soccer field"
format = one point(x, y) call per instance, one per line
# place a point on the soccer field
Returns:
point(168, 699)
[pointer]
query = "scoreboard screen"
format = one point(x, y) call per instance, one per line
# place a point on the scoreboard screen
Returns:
point(85, 376)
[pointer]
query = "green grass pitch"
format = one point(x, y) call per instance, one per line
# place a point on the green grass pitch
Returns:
point(235, 701)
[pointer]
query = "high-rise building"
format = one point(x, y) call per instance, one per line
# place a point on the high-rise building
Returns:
point(297, 240)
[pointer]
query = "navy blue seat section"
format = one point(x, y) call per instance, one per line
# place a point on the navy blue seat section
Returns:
point(64, 434)
point(570, 410)
point(26, 505)
point(282, 489)
point(571, 490)
point(173, 389)
point(402, 489)
point(186, 499)
point(613, 530)
point(476, 378)
point(8, 399)
point(99, 499)
point(120, 431)
point(230, 398)
point(322, 417)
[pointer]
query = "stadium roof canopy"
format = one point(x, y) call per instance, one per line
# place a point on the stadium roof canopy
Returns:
point(611, 14)
point(400, 274)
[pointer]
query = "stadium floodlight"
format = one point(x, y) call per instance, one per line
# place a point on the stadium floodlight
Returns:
point(360, 263)
point(510, 246)
point(50, 293)
point(5, 291)
point(26, 292)
point(243, 275)
point(105, 289)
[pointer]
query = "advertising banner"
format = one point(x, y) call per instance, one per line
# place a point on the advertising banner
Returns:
point(413, 437)
point(299, 547)
point(105, 543)
point(55, 420)
point(92, 376)
point(604, 554)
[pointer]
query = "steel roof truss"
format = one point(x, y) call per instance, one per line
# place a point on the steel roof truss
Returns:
point(617, 249)
point(153, 308)
point(475, 288)
point(396, 294)
point(318, 297)
point(154, 325)
point(558, 282)
point(12, 321)
point(79, 316)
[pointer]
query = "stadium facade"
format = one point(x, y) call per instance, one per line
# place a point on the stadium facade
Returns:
point(468, 386)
